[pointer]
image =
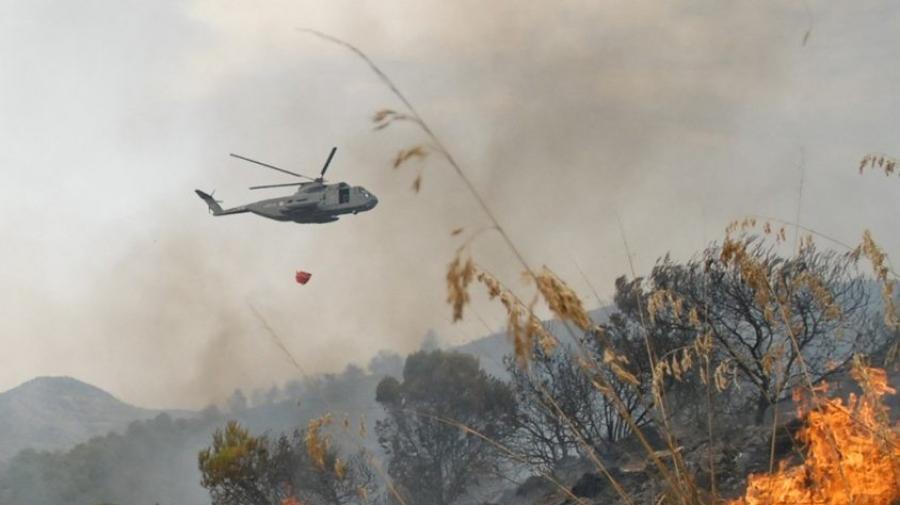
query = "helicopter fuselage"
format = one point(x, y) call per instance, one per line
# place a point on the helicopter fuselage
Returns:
point(316, 203)
point(313, 202)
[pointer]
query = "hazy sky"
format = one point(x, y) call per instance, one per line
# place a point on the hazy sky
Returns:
point(675, 116)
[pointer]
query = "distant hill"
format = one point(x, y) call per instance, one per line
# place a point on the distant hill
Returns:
point(57, 413)
point(155, 460)
point(48, 413)
point(151, 458)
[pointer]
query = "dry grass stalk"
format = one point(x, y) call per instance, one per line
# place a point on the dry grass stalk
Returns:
point(886, 163)
point(385, 117)
point(882, 270)
point(523, 326)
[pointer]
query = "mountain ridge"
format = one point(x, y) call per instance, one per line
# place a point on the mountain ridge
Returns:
point(57, 412)
point(49, 413)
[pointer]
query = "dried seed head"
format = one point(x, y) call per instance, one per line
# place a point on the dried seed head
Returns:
point(720, 376)
point(382, 115)
point(886, 163)
point(753, 272)
point(524, 328)
point(821, 295)
point(561, 299)
point(459, 275)
point(694, 318)
point(405, 155)
point(535, 331)
point(881, 268)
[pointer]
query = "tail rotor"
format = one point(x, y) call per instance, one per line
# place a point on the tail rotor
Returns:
point(213, 204)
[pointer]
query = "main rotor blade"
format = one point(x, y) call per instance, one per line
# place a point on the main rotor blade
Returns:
point(238, 156)
point(328, 162)
point(277, 185)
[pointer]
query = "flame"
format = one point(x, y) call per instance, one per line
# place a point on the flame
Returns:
point(290, 500)
point(852, 456)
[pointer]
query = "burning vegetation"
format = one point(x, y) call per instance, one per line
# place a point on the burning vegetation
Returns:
point(852, 453)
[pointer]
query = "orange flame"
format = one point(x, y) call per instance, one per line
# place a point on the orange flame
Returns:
point(852, 456)
point(290, 500)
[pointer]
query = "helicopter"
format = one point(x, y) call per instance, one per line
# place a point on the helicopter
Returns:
point(315, 201)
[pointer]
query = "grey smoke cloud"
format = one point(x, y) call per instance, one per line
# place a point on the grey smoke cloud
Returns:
point(675, 117)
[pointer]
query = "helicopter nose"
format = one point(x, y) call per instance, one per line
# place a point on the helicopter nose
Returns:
point(374, 202)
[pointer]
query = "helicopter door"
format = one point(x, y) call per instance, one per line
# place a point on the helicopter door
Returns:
point(344, 195)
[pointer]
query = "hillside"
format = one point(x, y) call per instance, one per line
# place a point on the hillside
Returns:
point(48, 413)
point(56, 413)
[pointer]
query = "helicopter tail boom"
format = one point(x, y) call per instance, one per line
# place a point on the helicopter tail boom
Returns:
point(214, 207)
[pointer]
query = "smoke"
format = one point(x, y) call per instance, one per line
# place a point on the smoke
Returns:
point(566, 115)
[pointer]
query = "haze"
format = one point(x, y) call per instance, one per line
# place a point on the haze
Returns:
point(675, 118)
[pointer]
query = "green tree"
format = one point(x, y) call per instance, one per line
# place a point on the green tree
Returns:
point(242, 469)
point(432, 458)
point(239, 469)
